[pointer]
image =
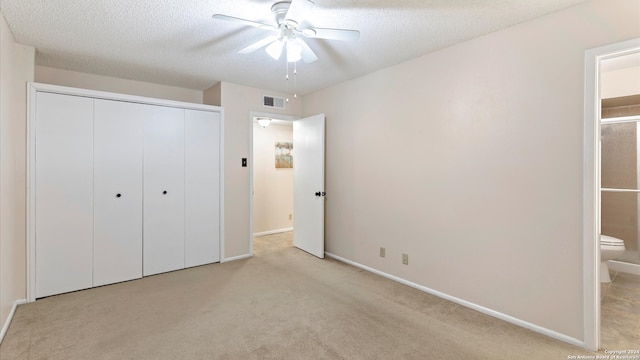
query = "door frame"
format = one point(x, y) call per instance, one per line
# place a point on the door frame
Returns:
point(252, 115)
point(591, 185)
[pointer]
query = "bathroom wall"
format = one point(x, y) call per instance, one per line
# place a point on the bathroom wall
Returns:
point(273, 188)
point(622, 106)
point(619, 82)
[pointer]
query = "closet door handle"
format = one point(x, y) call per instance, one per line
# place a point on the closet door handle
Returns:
point(164, 192)
point(118, 195)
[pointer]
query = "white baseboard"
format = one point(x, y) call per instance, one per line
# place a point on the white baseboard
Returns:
point(5, 328)
point(234, 258)
point(271, 232)
point(624, 267)
point(482, 309)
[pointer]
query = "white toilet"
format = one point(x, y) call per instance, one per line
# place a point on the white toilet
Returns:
point(610, 249)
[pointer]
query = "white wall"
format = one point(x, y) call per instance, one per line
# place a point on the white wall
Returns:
point(16, 69)
point(238, 101)
point(273, 188)
point(469, 159)
point(76, 79)
point(619, 83)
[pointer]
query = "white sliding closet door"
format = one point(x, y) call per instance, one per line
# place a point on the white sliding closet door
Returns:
point(202, 187)
point(163, 242)
point(118, 142)
point(64, 193)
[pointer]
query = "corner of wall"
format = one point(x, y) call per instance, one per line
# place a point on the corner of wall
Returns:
point(16, 70)
point(212, 95)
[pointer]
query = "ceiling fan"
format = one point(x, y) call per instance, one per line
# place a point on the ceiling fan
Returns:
point(290, 30)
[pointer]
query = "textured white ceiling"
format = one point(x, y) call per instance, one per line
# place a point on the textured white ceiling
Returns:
point(176, 42)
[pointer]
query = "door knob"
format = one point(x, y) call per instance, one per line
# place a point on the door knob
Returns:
point(118, 195)
point(164, 192)
point(318, 193)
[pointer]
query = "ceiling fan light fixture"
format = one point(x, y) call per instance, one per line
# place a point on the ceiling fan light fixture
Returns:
point(294, 50)
point(264, 121)
point(275, 49)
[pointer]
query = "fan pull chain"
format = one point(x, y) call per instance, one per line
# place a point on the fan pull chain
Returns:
point(287, 78)
point(295, 80)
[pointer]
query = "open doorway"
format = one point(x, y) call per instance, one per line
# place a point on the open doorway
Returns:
point(272, 181)
point(619, 199)
point(611, 188)
point(308, 144)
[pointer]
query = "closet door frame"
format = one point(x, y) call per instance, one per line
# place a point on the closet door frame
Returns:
point(32, 90)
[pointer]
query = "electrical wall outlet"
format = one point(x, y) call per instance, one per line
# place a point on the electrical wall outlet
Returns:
point(382, 252)
point(290, 216)
point(405, 259)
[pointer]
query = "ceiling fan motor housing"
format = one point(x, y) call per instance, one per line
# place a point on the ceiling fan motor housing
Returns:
point(279, 11)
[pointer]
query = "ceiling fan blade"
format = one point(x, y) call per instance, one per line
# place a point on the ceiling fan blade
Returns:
point(308, 56)
point(332, 34)
point(243, 21)
point(298, 11)
point(258, 44)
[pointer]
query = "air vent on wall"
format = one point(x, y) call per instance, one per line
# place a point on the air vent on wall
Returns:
point(273, 102)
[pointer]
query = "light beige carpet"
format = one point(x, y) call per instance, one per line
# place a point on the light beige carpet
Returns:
point(281, 304)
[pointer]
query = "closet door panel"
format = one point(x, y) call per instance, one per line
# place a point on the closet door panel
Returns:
point(163, 242)
point(63, 193)
point(118, 142)
point(202, 187)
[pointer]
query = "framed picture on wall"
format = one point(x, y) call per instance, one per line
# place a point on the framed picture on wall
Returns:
point(284, 155)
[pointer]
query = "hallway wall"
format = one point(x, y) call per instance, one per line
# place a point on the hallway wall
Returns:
point(273, 188)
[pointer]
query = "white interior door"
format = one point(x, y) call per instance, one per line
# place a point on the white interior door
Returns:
point(308, 172)
point(117, 237)
point(163, 228)
point(202, 187)
point(64, 193)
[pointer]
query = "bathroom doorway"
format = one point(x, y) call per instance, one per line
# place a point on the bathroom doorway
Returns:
point(619, 200)
point(611, 191)
point(620, 164)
